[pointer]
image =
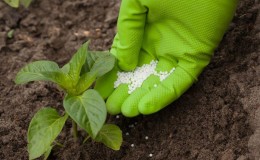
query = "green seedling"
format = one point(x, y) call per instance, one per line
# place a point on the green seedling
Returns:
point(82, 104)
point(15, 3)
point(10, 34)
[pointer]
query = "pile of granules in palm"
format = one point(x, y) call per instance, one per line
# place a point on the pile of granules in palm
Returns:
point(136, 78)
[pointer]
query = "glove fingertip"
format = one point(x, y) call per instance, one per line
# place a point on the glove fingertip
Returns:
point(129, 113)
point(145, 107)
point(112, 109)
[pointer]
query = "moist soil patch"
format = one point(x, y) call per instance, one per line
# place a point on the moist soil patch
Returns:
point(217, 118)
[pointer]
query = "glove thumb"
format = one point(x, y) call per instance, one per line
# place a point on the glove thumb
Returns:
point(127, 43)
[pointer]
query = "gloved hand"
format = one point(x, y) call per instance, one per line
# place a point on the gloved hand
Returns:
point(178, 33)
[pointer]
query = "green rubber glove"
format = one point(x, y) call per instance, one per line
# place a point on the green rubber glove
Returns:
point(178, 33)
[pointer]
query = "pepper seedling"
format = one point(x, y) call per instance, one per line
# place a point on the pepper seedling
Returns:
point(82, 104)
point(15, 3)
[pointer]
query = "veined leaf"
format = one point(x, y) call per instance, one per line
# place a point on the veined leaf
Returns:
point(87, 110)
point(12, 3)
point(76, 63)
point(40, 70)
point(85, 81)
point(43, 130)
point(26, 3)
point(92, 56)
point(103, 65)
point(111, 136)
point(47, 153)
point(66, 68)
point(63, 80)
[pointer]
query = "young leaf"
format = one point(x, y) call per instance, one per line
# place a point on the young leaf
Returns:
point(26, 3)
point(66, 68)
point(43, 130)
point(63, 80)
point(111, 136)
point(85, 81)
point(40, 70)
point(76, 63)
point(10, 34)
point(103, 65)
point(87, 110)
point(12, 3)
point(91, 58)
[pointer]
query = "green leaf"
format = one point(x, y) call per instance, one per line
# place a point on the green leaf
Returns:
point(40, 70)
point(12, 3)
point(76, 63)
point(87, 110)
point(60, 78)
point(44, 71)
point(92, 56)
point(10, 34)
point(111, 136)
point(47, 153)
point(43, 130)
point(66, 68)
point(85, 81)
point(26, 3)
point(103, 65)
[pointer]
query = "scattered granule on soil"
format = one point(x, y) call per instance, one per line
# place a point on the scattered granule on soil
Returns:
point(131, 126)
point(136, 78)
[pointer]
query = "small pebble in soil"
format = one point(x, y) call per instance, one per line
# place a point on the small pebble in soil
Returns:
point(146, 137)
point(127, 133)
point(131, 126)
point(132, 145)
point(150, 155)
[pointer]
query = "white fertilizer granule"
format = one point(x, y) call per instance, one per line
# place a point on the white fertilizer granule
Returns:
point(136, 78)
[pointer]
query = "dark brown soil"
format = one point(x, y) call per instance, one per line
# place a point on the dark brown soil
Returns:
point(217, 119)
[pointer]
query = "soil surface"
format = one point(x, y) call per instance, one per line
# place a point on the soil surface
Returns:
point(218, 118)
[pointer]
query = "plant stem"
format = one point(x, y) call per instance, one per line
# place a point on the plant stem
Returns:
point(74, 129)
point(58, 144)
point(86, 139)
